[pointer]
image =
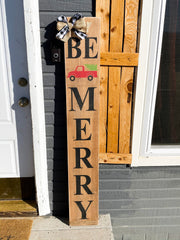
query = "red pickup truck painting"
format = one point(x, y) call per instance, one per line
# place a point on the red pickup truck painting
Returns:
point(80, 72)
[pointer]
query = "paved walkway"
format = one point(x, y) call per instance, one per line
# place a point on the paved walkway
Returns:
point(52, 228)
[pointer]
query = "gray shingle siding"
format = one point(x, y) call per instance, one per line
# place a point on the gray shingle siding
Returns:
point(66, 6)
point(144, 203)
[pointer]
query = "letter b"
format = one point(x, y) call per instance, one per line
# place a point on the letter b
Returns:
point(70, 47)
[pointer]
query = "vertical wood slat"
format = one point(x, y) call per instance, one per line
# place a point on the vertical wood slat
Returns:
point(113, 109)
point(116, 39)
point(131, 18)
point(103, 11)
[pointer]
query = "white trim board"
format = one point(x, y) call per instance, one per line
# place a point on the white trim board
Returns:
point(143, 154)
point(32, 33)
point(141, 76)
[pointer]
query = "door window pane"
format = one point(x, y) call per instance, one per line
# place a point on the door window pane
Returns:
point(166, 129)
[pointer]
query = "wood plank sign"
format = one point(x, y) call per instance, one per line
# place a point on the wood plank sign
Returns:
point(82, 63)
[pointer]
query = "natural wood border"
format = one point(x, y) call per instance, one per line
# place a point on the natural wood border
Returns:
point(116, 44)
point(32, 34)
point(119, 59)
point(115, 158)
point(103, 11)
point(127, 76)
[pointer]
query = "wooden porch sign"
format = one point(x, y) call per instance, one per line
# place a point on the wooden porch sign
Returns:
point(82, 101)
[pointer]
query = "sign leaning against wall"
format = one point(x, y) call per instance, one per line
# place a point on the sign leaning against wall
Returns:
point(82, 63)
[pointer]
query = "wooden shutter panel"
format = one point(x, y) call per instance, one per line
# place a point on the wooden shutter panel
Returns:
point(118, 58)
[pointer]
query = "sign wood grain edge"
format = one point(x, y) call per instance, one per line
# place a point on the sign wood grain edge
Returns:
point(82, 63)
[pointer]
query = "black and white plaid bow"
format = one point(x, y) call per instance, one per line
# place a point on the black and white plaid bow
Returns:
point(76, 27)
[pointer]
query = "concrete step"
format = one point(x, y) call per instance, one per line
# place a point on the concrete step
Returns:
point(52, 228)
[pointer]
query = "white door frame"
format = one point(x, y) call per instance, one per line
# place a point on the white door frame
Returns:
point(32, 35)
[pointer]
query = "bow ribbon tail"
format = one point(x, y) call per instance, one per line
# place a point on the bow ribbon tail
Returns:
point(81, 35)
point(61, 34)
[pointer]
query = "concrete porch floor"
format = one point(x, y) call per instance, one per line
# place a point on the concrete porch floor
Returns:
point(52, 228)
